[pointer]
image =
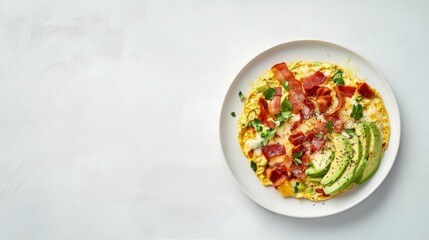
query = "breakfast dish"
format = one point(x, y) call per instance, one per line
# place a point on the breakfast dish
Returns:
point(312, 129)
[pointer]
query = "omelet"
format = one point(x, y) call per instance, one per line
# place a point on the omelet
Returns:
point(313, 129)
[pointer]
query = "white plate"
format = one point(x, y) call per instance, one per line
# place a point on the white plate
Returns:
point(268, 197)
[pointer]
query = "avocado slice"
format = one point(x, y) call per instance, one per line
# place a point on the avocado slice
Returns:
point(375, 153)
point(346, 178)
point(364, 134)
point(321, 162)
point(343, 156)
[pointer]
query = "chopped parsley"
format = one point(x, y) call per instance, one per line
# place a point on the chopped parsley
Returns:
point(328, 139)
point(358, 99)
point(350, 132)
point(328, 126)
point(269, 93)
point(286, 106)
point(357, 112)
point(319, 135)
point(295, 187)
point(285, 85)
point(241, 96)
point(233, 114)
point(296, 157)
point(253, 165)
point(338, 77)
point(297, 161)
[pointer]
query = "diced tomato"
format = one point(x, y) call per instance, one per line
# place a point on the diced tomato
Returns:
point(296, 93)
point(313, 80)
point(323, 91)
point(297, 138)
point(250, 153)
point(348, 91)
point(272, 150)
point(365, 90)
point(321, 191)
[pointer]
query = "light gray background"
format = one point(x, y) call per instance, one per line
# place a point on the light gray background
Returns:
point(109, 116)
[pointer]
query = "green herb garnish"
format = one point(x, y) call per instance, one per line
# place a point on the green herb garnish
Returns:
point(350, 132)
point(328, 126)
point(338, 77)
point(286, 106)
point(295, 187)
point(357, 112)
point(233, 114)
point(297, 154)
point(358, 99)
point(319, 135)
point(241, 96)
point(269, 93)
point(328, 139)
point(285, 85)
point(253, 165)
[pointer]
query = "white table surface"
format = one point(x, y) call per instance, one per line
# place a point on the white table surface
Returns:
point(109, 115)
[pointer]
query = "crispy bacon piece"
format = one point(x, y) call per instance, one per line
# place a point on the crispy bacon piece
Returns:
point(323, 103)
point(273, 150)
point(341, 101)
point(365, 90)
point(274, 106)
point(270, 124)
point(312, 91)
point(299, 170)
point(263, 114)
point(338, 125)
point(323, 91)
point(298, 148)
point(348, 91)
point(296, 93)
point(297, 138)
point(313, 80)
point(308, 109)
point(263, 106)
point(316, 141)
point(321, 191)
point(277, 174)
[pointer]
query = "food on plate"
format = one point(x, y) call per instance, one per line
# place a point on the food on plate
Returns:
point(313, 130)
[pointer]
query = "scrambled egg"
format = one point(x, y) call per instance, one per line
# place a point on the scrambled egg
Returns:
point(252, 142)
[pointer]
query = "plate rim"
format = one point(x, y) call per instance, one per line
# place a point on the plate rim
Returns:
point(395, 106)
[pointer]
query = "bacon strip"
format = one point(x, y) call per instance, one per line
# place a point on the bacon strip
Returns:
point(273, 150)
point(297, 138)
point(341, 101)
point(365, 90)
point(296, 93)
point(275, 105)
point(323, 91)
point(308, 109)
point(323, 103)
point(313, 80)
point(348, 91)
